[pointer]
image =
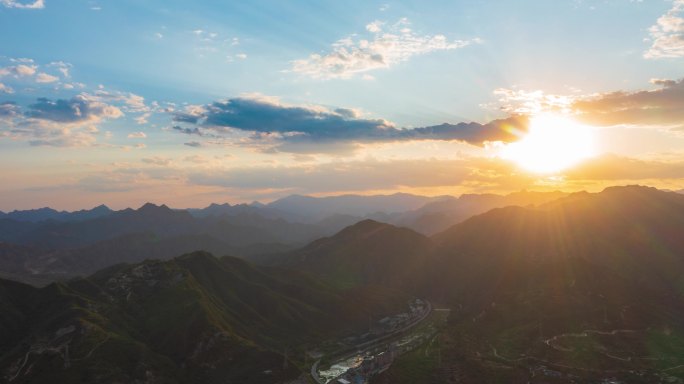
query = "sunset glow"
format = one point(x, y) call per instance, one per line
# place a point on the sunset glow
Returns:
point(269, 192)
point(552, 144)
point(215, 102)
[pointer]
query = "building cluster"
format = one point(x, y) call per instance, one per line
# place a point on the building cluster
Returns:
point(370, 366)
point(417, 309)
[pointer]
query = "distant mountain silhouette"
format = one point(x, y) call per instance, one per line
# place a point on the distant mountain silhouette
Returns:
point(240, 230)
point(318, 208)
point(43, 214)
point(439, 215)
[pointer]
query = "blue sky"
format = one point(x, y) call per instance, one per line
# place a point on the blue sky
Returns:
point(133, 69)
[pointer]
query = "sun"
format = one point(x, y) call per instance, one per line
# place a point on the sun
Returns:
point(552, 144)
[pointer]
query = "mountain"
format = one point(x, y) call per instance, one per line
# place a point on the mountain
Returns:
point(637, 231)
point(586, 288)
point(437, 216)
point(318, 208)
point(192, 319)
point(40, 252)
point(366, 253)
point(239, 230)
point(40, 266)
point(583, 288)
point(43, 214)
point(258, 209)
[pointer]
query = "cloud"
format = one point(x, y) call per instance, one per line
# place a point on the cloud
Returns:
point(475, 174)
point(375, 26)
point(131, 102)
point(265, 116)
point(385, 47)
point(661, 106)
point(157, 160)
point(62, 67)
point(194, 144)
point(137, 135)
point(80, 108)
point(196, 159)
point(338, 176)
point(45, 78)
point(21, 70)
point(613, 167)
point(58, 123)
point(52, 138)
point(268, 123)
point(6, 89)
point(366, 176)
point(36, 4)
point(65, 121)
point(8, 109)
point(190, 114)
point(524, 102)
point(667, 35)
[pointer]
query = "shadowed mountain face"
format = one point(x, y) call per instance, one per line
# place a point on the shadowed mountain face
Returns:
point(437, 216)
point(590, 285)
point(367, 253)
point(637, 232)
point(192, 319)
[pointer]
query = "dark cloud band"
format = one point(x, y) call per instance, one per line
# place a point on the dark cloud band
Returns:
point(297, 124)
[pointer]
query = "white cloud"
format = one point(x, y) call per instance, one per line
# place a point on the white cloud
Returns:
point(137, 135)
point(5, 89)
point(375, 26)
point(157, 160)
point(62, 67)
point(20, 70)
point(518, 101)
point(142, 119)
point(133, 103)
point(37, 4)
point(45, 78)
point(80, 109)
point(667, 36)
point(241, 56)
point(60, 123)
point(386, 47)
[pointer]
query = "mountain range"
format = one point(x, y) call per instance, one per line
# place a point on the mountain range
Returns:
point(44, 245)
point(586, 287)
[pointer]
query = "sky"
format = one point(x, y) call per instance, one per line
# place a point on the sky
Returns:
point(187, 103)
